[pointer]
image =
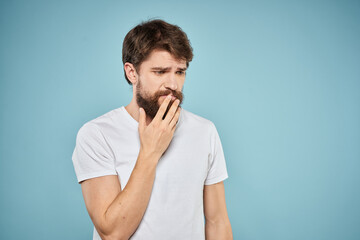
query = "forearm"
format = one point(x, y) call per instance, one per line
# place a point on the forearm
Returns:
point(124, 214)
point(220, 230)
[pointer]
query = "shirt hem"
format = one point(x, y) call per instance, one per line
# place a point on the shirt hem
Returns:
point(94, 175)
point(216, 180)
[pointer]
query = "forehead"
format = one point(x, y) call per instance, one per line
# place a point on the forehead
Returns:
point(163, 59)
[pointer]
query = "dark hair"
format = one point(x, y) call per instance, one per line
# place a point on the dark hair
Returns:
point(155, 34)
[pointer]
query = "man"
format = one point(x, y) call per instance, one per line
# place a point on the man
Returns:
point(152, 170)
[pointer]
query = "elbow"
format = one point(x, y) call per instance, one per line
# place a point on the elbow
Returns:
point(112, 231)
point(113, 236)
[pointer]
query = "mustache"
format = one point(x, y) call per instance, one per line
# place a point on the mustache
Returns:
point(176, 94)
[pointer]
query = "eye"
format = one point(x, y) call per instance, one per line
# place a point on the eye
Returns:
point(159, 72)
point(180, 72)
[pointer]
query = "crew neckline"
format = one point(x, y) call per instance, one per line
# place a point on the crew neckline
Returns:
point(135, 123)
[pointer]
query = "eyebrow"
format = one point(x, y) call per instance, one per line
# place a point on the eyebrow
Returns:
point(166, 69)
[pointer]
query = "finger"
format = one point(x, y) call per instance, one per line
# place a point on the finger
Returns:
point(142, 119)
point(175, 119)
point(174, 123)
point(170, 114)
point(160, 113)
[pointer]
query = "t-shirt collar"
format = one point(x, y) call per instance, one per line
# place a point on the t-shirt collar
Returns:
point(135, 123)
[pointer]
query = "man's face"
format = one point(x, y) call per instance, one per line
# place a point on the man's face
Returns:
point(159, 75)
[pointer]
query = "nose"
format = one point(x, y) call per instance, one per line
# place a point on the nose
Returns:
point(171, 82)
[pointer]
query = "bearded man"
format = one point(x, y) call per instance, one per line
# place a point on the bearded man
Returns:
point(152, 170)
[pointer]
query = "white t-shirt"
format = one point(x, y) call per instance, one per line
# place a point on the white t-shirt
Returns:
point(109, 145)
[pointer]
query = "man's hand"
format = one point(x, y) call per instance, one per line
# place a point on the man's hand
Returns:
point(156, 137)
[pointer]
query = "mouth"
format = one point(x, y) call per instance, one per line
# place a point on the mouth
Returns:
point(172, 97)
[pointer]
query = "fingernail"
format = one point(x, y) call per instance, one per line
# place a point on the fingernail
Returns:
point(168, 96)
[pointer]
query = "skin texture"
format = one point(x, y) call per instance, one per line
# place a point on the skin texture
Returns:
point(217, 221)
point(151, 103)
point(155, 80)
point(117, 212)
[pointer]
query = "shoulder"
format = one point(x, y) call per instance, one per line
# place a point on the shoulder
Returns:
point(108, 118)
point(99, 124)
point(195, 120)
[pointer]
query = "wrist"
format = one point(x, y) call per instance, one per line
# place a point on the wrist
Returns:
point(148, 156)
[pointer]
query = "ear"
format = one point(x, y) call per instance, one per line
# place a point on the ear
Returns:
point(131, 72)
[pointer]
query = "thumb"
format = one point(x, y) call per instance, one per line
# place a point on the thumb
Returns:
point(142, 119)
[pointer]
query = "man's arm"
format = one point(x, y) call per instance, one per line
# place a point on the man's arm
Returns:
point(217, 225)
point(116, 214)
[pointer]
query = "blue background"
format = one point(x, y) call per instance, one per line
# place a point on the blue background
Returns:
point(280, 80)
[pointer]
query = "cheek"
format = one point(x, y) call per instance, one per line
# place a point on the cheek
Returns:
point(181, 83)
point(180, 87)
point(150, 82)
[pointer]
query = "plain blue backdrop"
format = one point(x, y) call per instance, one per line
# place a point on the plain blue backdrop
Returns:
point(280, 80)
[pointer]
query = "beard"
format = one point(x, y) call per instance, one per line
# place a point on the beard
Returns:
point(151, 103)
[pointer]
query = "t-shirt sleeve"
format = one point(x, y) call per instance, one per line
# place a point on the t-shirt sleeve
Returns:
point(92, 156)
point(217, 166)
